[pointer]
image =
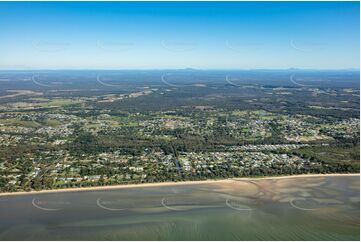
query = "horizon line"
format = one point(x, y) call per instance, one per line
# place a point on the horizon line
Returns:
point(182, 69)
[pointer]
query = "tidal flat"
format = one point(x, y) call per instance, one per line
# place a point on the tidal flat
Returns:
point(299, 208)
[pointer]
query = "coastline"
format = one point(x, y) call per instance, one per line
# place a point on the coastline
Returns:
point(159, 184)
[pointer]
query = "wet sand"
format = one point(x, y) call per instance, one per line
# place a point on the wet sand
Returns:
point(316, 207)
point(159, 184)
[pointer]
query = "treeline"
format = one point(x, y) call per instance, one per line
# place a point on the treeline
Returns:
point(339, 158)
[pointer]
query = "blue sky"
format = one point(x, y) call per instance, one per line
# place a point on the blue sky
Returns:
point(161, 35)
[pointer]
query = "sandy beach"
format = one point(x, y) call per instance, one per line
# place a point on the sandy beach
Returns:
point(142, 185)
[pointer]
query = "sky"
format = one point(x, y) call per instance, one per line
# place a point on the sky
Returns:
point(175, 35)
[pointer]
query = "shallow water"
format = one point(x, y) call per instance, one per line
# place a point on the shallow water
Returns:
point(313, 208)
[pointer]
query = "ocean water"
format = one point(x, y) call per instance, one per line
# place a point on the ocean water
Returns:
point(312, 208)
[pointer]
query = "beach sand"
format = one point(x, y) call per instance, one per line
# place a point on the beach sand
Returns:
point(159, 184)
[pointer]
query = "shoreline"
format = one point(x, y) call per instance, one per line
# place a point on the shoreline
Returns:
point(160, 184)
